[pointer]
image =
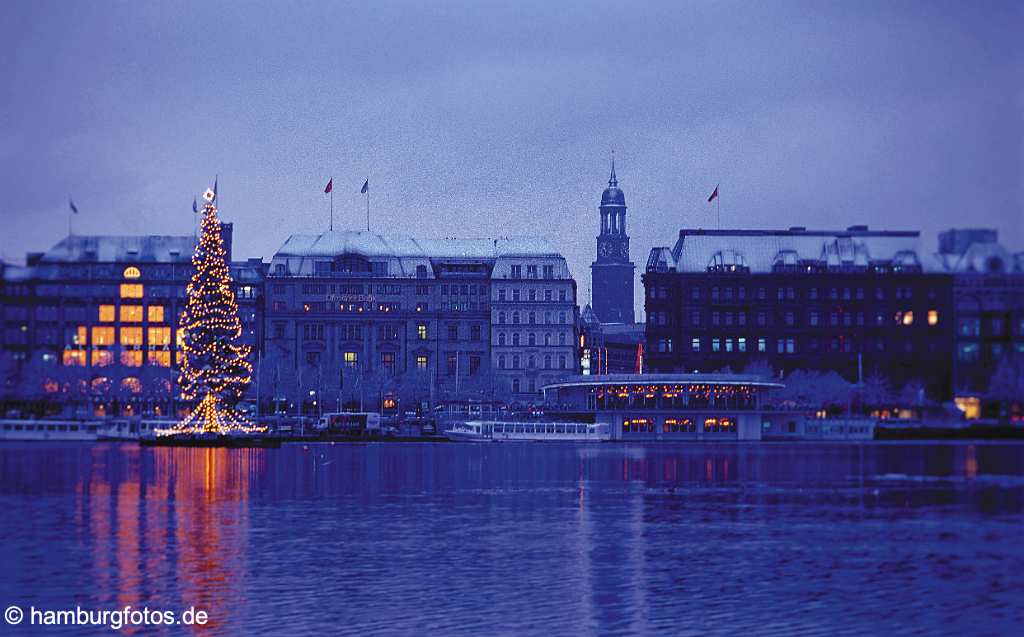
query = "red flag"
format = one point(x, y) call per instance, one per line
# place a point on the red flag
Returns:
point(330, 186)
point(713, 195)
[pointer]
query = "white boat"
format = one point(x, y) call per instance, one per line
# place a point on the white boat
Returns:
point(53, 430)
point(80, 430)
point(529, 431)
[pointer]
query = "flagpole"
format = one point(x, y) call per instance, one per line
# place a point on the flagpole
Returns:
point(332, 204)
point(718, 202)
point(367, 203)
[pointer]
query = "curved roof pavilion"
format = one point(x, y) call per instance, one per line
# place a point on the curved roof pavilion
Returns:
point(647, 380)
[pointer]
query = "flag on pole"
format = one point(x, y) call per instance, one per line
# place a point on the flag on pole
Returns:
point(714, 195)
point(195, 205)
point(215, 187)
point(366, 186)
point(74, 208)
point(330, 186)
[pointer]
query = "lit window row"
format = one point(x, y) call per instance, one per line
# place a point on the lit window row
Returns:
point(127, 358)
point(102, 335)
point(679, 425)
point(131, 313)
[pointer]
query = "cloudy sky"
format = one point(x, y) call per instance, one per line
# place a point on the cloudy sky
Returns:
point(493, 119)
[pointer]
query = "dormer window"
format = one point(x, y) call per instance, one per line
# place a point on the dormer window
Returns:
point(728, 261)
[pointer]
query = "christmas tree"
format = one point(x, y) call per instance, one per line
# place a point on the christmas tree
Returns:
point(215, 370)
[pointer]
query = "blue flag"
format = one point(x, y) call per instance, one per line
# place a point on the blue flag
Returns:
point(366, 186)
point(74, 208)
point(215, 188)
point(195, 206)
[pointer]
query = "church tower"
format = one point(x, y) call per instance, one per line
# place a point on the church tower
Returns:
point(611, 275)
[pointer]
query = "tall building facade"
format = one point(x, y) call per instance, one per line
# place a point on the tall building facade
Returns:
point(988, 293)
point(612, 272)
point(358, 317)
point(534, 319)
point(91, 326)
point(852, 301)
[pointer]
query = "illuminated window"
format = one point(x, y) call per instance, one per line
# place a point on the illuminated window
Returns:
point(106, 314)
point(158, 358)
point(80, 336)
point(131, 384)
point(156, 313)
point(131, 313)
point(102, 358)
point(102, 336)
point(933, 317)
point(132, 272)
point(159, 335)
point(421, 331)
point(908, 318)
point(351, 358)
point(74, 358)
point(637, 425)
point(970, 405)
point(131, 290)
point(131, 358)
point(678, 425)
point(422, 362)
point(131, 336)
point(710, 424)
point(180, 337)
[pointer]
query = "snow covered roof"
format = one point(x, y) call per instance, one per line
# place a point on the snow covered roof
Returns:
point(984, 258)
point(762, 250)
point(371, 244)
point(15, 273)
point(113, 249)
point(404, 255)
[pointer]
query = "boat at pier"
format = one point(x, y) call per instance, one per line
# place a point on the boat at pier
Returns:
point(528, 431)
point(56, 430)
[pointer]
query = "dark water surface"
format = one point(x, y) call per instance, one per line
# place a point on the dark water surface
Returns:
point(484, 539)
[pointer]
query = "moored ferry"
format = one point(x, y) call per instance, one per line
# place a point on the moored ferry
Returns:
point(53, 430)
point(79, 430)
point(528, 431)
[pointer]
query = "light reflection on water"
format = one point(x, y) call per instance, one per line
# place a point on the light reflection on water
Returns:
point(531, 538)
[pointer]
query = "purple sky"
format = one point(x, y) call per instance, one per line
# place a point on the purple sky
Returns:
point(486, 121)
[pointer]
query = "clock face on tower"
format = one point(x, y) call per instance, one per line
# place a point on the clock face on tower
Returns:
point(605, 250)
point(624, 251)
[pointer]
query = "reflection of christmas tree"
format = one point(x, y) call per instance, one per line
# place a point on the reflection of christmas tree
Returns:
point(214, 366)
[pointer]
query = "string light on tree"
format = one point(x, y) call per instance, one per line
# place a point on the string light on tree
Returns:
point(215, 370)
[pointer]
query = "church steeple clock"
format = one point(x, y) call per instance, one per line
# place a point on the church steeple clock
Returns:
point(612, 272)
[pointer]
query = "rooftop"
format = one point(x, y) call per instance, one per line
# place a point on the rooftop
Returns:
point(761, 251)
point(371, 244)
point(121, 248)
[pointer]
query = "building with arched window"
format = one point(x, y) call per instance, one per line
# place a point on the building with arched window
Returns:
point(90, 327)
